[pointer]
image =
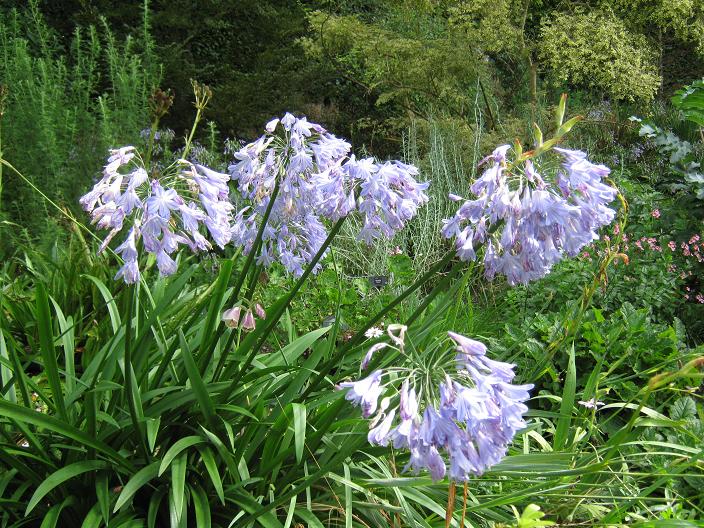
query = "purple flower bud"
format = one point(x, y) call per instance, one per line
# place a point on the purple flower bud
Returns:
point(370, 353)
point(231, 317)
point(248, 322)
point(380, 434)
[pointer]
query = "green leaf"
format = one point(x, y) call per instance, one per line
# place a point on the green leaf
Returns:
point(289, 514)
point(299, 429)
point(46, 340)
point(212, 469)
point(103, 493)
point(348, 498)
point(311, 520)
point(52, 516)
point(6, 373)
point(67, 340)
point(153, 509)
point(178, 483)
point(114, 313)
point(139, 479)
point(152, 430)
point(201, 507)
point(62, 475)
point(683, 408)
point(92, 518)
point(174, 450)
point(567, 405)
point(199, 389)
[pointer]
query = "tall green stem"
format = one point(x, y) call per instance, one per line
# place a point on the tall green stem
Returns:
point(359, 336)
point(209, 349)
point(273, 319)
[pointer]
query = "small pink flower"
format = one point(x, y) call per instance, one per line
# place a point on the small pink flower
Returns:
point(617, 229)
point(700, 298)
point(686, 297)
point(655, 213)
point(231, 317)
point(259, 310)
point(607, 238)
point(248, 322)
point(639, 245)
point(671, 244)
point(694, 239)
point(671, 268)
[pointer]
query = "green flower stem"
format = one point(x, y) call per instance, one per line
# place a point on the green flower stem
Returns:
point(209, 349)
point(359, 336)
point(187, 148)
point(273, 319)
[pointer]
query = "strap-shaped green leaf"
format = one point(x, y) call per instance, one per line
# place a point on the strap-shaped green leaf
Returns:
point(62, 475)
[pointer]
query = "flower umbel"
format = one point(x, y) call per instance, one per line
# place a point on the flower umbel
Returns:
point(317, 180)
point(528, 221)
point(165, 213)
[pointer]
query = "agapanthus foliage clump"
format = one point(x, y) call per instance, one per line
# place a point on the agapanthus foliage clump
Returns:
point(453, 405)
point(176, 208)
point(312, 177)
point(528, 218)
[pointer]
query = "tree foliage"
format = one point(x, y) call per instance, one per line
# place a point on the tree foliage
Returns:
point(595, 50)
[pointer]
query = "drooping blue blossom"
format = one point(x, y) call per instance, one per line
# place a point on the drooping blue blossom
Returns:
point(165, 213)
point(528, 221)
point(318, 180)
point(465, 418)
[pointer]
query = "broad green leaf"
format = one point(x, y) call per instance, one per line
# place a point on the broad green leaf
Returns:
point(311, 520)
point(152, 431)
point(52, 516)
point(62, 475)
point(289, 513)
point(139, 479)
point(201, 507)
point(110, 303)
point(67, 340)
point(103, 494)
point(176, 449)
point(92, 518)
point(299, 429)
point(348, 498)
point(178, 483)
point(212, 469)
point(6, 373)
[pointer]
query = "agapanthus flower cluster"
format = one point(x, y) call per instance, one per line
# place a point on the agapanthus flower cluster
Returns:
point(466, 418)
point(528, 221)
point(317, 180)
point(164, 213)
